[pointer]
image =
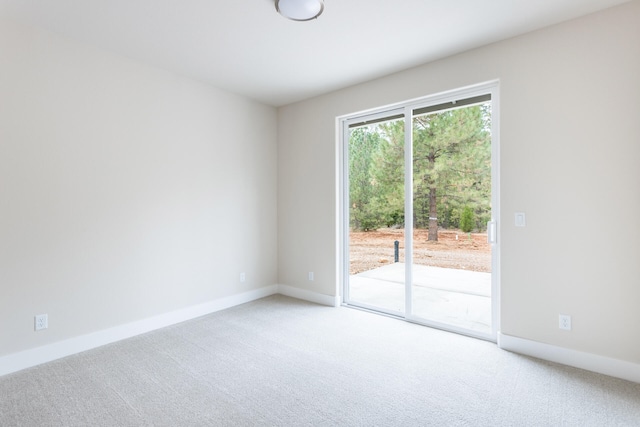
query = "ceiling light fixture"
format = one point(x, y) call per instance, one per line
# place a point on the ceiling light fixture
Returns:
point(300, 10)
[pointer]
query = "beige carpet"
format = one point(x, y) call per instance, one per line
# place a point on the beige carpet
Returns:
point(283, 362)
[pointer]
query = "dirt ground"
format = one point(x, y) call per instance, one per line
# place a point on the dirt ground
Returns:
point(454, 249)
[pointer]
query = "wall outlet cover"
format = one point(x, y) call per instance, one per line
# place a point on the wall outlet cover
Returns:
point(565, 322)
point(41, 322)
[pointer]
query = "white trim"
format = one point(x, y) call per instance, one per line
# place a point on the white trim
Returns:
point(494, 89)
point(303, 294)
point(25, 359)
point(339, 211)
point(460, 330)
point(343, 211)
point(433, 99)
point(592, 362)
point(408, 212)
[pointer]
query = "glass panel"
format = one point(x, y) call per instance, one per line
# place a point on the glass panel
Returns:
point(452, 203)
point(376, 215)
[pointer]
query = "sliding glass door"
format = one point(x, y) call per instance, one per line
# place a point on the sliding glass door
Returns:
point(376, 240)
point(451, 280)
point(418, 211)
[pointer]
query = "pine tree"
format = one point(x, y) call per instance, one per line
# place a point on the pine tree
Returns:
point(363, 146)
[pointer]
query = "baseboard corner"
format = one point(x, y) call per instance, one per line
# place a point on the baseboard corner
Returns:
point(306, 295)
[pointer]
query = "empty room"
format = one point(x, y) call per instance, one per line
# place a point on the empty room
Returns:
point(308, 212)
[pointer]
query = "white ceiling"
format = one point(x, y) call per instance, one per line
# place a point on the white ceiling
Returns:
point(244, 46)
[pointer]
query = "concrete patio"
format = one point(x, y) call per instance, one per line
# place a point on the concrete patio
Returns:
point(454, 297)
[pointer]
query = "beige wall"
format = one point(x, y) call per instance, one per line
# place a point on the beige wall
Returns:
point(125, 191)
point(570, 156)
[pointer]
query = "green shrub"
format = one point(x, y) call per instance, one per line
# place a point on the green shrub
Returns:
point(467, 220)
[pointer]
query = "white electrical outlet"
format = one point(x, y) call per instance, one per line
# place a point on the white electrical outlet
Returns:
point(311, 276)
point(243, 277)
point(565, 322)
point(41, 321)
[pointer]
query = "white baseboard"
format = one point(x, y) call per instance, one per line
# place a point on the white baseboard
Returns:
point(36, 356)
point(28, 358)
point(591, 362)
point(303, 294)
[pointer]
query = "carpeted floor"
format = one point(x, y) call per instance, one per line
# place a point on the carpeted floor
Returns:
point(284, 362)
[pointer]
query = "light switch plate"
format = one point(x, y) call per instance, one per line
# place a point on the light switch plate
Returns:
point(521, 220)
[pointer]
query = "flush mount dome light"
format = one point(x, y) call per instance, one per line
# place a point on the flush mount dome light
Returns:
point(300, 10)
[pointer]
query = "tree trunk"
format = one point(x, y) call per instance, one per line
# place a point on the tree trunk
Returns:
point(433, 215)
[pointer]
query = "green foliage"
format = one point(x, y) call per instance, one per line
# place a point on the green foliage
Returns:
point(467, 220)
point(362, 189)
point(389, 173)
point(451, 170)
point(451, 165)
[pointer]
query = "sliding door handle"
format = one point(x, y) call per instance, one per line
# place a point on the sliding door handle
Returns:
point(492, 232)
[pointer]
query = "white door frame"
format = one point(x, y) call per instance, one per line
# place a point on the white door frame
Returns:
point(406, 108)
